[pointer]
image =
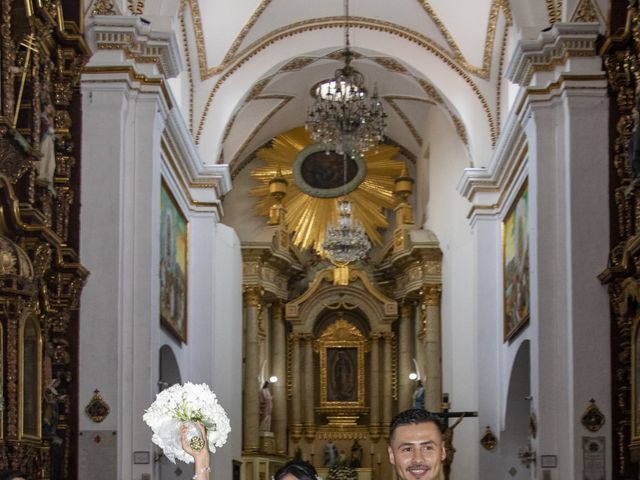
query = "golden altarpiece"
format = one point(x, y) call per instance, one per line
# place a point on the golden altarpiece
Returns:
point(341, 343)
point(40, 278)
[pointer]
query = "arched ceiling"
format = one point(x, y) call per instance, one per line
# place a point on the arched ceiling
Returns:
point(252, 64)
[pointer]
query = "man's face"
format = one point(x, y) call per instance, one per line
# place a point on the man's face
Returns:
point(417, 451)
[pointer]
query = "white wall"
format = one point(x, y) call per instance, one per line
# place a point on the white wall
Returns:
point(446, 216)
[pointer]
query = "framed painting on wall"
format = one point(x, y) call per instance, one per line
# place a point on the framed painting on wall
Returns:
point(174, 258)
point(515, 264)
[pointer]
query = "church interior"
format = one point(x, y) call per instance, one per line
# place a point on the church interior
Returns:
point(329, 212)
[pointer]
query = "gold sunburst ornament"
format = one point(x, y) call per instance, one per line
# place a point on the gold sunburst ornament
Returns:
point(316, 182)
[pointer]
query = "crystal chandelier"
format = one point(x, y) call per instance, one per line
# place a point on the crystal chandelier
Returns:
point(345, 242)
point(342, 116)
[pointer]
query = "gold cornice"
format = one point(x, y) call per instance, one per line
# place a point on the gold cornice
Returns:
point(338, 22)
point(284, 100)
point(187, 185)
point(135, 77)
point(521, 151)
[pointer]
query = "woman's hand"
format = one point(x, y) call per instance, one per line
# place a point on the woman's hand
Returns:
point(201, 457)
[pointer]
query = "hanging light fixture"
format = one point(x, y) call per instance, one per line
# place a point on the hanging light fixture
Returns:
point(346, 241)
point(343, 118)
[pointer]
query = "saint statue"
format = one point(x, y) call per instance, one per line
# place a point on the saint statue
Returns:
point(356, 455)
point(330, 454)
point(266, 405)
point(418, 396)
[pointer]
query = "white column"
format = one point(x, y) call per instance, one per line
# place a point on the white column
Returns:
point(121, 162)
point(280, 370)
point(405, 358)
point(251, 420)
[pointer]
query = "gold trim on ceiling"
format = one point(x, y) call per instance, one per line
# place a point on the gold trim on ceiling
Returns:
point(187, 59)
point(233, 53)
point(307, 217)
point(303, 27)
point(403, 116)
point(284, 100)
point(485, 70)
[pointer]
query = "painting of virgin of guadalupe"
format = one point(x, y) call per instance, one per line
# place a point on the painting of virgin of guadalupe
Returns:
point(515, 242)
point(173, 265)
point(342, 370)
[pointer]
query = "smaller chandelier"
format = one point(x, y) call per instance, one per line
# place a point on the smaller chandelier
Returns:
point(345, 242)
point(342, 117)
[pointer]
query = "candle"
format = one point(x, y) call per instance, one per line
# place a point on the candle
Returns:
point(372, 448)
point(379, 461)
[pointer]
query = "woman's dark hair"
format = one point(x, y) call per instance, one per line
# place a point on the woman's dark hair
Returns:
point(298, 468)
point(11, 474)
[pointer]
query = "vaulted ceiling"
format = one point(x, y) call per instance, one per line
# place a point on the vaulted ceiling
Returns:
point(252, 64)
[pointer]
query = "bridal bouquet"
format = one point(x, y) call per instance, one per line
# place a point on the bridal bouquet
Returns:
point(186, 403)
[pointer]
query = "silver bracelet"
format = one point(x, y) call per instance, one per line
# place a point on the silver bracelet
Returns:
point(205, 469)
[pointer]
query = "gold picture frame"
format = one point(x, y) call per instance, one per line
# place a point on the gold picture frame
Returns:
point(174, 264)
point(515, 264)
point(342, 349)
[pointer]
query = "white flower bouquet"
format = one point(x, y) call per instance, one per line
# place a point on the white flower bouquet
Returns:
point(186, 403)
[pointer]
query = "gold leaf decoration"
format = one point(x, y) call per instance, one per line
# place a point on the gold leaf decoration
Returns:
point(307, 216)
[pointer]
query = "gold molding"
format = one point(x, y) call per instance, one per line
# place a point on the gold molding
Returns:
point(187, 59)
point(186, 185)
point(133, 76)
point(233, 53)
point(403, 116)
point(554, 11)
point(483, 71)
point(338, 22)
point(285, 100)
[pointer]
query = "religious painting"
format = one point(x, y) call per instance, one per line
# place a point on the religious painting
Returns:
point(515, 244)
point(342, 374)
point(326, 173)
point(342, 380)
point(174, 239)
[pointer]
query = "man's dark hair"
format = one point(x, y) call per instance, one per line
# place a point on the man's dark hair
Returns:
point(11, 474)
point(298, 468)
point(414, 416)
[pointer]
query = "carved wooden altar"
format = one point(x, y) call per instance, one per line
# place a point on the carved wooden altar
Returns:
point(40, 277)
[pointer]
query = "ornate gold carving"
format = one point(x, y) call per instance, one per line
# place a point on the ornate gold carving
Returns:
point(252, 296)
point(308, 216)
point(432, 295)
point(390, 64)
point(13, 162)
point(97, 409)
point(554, 11)
point(488, 441)
point(297, 64)
point(592, 419)
point(102, 7)
point(585, 12)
